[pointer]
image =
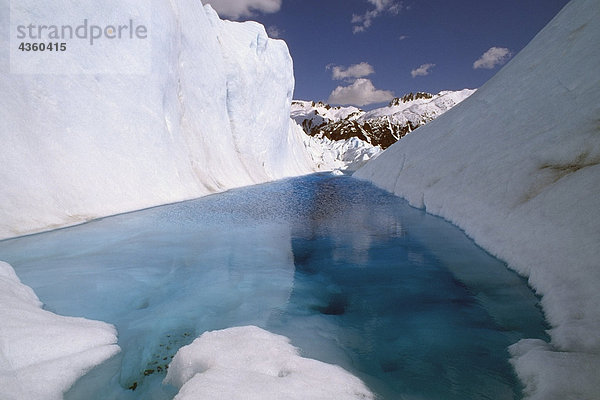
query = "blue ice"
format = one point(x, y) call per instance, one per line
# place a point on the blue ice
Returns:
point(351, 274)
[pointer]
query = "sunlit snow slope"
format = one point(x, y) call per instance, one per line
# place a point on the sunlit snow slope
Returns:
point(212, 115)
point(517, 165)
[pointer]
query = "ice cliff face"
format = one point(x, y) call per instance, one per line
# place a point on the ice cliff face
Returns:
point(517, 166)
point(213, 114)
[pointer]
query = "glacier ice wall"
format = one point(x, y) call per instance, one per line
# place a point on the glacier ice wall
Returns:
point(213, 114)
point(517, 166)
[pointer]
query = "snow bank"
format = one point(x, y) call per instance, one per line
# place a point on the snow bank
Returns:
point(42, 354)
point(213, 114)
point(517, 166)
point(256, 364)
point(550, 374)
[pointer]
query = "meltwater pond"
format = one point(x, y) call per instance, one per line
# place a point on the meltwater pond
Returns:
point(351, 274)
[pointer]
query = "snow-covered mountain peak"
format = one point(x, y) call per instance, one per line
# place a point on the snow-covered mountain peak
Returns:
point(409, 97)
point(379, 127)
point(416, 107)
point(302, 108)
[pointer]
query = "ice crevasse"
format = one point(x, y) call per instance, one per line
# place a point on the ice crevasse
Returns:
point(517, 166)
point(212, 114)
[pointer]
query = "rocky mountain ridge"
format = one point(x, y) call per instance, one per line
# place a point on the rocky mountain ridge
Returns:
point(380, 127)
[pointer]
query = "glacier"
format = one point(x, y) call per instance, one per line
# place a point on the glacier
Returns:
point(517, 166)
point(339, 155)
point(213, 114)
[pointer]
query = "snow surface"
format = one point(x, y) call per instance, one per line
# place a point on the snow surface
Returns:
point(339, 155)
point(261, 365)
point(42, 354)
point(212, 115)
point(517, 166)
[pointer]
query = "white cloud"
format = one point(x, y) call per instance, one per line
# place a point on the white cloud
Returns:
point(352, 72)
point(402, 37)
point(360, 93)
point(364, 21)
point(493, 57)
point(274, 32)
point(243, 8)
point(423, 70)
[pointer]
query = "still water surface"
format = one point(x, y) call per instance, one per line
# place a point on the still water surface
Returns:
point(351, 274)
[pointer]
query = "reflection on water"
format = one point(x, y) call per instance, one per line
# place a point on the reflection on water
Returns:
point(353, 275)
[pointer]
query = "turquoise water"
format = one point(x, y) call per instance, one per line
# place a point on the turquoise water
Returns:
point(351, 274)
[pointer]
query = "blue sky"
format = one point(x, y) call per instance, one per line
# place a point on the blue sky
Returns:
point(363, 52)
